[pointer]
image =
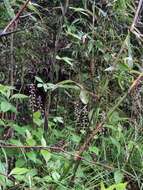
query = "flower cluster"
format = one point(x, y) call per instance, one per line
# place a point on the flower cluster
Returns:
point(81, 115)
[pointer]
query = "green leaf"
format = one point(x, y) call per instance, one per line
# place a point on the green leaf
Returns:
point(65, 59)
point(39, 85)
point(118, 176)
point(121, 186)
point(94, 149)
point(58, 119)
point(2, 171)
point(6, 90)
point(115, 118)
point(19, 96)
point(66, 82)
point(19, 171)
point(75, 138)
point(130, 56)
point(36, 115)
point(2, 122)
point(31, 173)
point(117, 144)
point(31, 142)
point(102, 187)
point(111, 68)
point(84, 96)
point(13, 109)
point(32, 156)
point(43, 142)
point(46, 155)
point(69, 87)
point(15, 142)
point(28, 134)
point(34, 8)
point(81, 10)
point(5, 106)
point(39, 79)
point(47, 178)
point(45, 87)
point(77, 37)
point(20, 129)
point(51, 86)
point(37, 118)
point(20, 163)
point(9, 8)
point(55, 176)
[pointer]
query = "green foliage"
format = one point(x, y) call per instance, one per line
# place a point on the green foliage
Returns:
point(120, 186)
point(71, 66)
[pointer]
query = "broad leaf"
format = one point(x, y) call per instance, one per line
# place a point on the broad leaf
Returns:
point(32, 156)
point(84, 96)
point(56, 176)
point(46, 155)
point(31, 142)
point(19, 96)
point(19, 171)
point(118, 176)
point(5, 106)
point(39, 79)
point(94, 149)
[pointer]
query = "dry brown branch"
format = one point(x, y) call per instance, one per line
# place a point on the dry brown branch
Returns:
point(136, 15)
point(15, 18)
point(54, 149)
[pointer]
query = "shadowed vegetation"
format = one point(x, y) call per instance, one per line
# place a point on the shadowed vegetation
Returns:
point(71, 95)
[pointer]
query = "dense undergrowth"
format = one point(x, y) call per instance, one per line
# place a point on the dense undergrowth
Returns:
point(71, 95)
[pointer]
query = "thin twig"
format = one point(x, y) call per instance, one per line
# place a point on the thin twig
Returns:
point(136, 15)
point(54, 149)
point(29, 147)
